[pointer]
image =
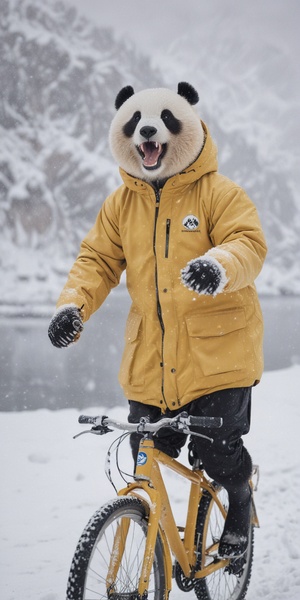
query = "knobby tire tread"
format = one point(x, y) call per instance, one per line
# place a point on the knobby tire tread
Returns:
point(202, 586)
point(80, 562)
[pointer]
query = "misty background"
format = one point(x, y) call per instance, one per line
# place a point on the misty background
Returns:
point(61, 66)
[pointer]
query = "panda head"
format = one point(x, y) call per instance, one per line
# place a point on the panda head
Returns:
point(156, 133)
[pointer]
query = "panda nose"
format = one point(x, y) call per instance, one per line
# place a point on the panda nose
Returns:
point(148, 131)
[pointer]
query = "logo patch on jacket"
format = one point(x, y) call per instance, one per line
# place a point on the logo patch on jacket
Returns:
point(190, 222)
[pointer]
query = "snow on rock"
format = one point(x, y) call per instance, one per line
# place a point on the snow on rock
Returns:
point(60, 76)
point(51, 485)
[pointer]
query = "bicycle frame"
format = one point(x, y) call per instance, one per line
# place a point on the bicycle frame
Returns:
point(148, 479)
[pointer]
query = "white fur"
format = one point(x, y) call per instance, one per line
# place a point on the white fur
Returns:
point(182, 149)
point(64, 306)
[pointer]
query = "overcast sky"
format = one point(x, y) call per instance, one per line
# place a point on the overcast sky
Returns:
point(154, 25)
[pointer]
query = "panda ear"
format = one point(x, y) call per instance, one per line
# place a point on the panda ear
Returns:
point(123, 95)
point(188, 92)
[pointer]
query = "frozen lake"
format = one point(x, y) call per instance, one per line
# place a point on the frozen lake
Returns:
point(33, 374)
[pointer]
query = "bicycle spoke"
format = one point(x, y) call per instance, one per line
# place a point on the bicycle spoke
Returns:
point(115, 543)
point(222, 584)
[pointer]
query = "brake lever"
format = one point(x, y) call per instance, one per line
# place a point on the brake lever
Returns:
point(81, 433)
point(181, 423)
point(183, 427)
point(99, 429)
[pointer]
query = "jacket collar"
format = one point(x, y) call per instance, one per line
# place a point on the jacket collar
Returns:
point(205, 163)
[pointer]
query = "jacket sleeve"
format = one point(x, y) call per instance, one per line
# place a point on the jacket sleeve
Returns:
point(237, 236)
point(99, 265)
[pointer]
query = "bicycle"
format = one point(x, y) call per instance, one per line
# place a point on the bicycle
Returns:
point(131, 548)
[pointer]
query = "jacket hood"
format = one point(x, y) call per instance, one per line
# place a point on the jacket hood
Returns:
point(205, 163)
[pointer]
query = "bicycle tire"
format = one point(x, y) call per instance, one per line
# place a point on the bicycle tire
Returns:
point(231, 582)
point(87, 578)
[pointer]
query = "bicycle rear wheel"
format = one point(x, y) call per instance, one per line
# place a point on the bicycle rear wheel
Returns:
point(230, 582)
point(98, 551)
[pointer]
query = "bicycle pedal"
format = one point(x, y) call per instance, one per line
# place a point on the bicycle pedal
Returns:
point(236, 566)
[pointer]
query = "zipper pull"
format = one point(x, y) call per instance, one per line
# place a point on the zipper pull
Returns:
point(168, 227)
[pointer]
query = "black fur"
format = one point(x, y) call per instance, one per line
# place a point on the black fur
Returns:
point(188, 92)
point(170, 121)
point(130, 126)
point(65, 326)
point(123, 95)
point(202, 276)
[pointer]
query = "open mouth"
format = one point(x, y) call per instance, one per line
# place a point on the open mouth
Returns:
point(152, 153)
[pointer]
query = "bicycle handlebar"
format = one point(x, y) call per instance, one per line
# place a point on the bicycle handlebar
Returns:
point(181, 423)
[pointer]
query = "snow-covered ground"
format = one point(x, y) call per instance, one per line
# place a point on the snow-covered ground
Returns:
point(51, 484)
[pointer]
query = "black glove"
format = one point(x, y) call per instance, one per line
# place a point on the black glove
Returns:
point(204, 276)
point(65, 326)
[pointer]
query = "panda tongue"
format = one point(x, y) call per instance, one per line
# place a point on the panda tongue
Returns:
point(151, 151)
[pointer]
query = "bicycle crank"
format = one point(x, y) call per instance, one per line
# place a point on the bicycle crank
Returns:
point(185, 584)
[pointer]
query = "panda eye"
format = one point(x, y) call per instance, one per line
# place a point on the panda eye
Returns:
point(129, 127)
point(166, 115)
point(173, 124)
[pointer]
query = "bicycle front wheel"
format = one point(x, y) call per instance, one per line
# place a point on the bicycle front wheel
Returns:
point(230, 582)
point(108, 557)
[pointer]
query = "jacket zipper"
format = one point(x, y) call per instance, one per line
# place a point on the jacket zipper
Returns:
point(168, 227)
point(159, 312)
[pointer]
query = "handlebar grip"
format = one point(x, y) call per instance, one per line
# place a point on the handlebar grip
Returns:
point(208, 422)
point(86, 419)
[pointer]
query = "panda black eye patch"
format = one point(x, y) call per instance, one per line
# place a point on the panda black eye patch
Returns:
point(170, 121)
point(129, 127)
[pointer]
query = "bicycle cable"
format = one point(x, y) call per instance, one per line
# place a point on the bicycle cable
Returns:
point(114, 447)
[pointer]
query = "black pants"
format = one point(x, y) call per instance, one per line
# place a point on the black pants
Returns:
point(226, 460)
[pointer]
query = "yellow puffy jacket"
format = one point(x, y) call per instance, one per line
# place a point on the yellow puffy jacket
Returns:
point(178, 345)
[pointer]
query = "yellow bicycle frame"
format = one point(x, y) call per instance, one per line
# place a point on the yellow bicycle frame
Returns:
point(148, 479)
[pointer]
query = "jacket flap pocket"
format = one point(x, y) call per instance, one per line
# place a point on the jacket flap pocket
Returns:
point(217, 324)
point(133, 326)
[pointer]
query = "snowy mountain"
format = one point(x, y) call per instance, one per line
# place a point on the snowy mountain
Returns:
point(59, 77)
point(249, 90)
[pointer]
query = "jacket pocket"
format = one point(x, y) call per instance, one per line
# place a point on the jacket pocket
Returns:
point(132, 369)
point(217, 341)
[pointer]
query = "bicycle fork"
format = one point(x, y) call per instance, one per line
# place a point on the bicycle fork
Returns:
point(120, 537)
